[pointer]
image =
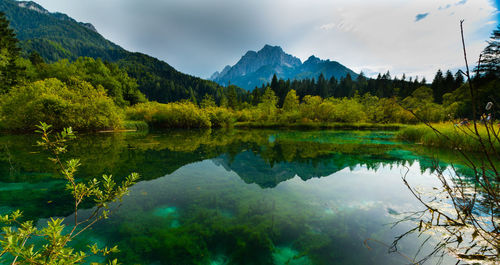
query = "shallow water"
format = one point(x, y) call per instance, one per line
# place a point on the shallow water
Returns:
point(236, 197)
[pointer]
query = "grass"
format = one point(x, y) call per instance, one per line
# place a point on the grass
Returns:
point(135, 125)
point(450, 136)
point(320, 125)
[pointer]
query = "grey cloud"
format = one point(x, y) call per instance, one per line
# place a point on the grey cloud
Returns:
point(200, 37)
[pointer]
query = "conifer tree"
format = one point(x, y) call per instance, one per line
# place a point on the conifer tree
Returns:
point(437, 86)
point(10, 72)
point(459, 79)
point(490, 62)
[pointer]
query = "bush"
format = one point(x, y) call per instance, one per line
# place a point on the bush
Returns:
point(135, 125)
point(220, 117)
point(78, 105)
point(171, 115)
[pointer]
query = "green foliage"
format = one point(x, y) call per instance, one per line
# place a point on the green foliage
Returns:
point(78, 104)
point(135, 125)
point(490, 63)
point(291, 102)
point(421, 102)
point(171, 115)
point(454, 135)
point(10, 70)
point(268, 105)
point(219, 116)
point(23, 243)
point(161, 82)
point(118, 85)
point(208, 101)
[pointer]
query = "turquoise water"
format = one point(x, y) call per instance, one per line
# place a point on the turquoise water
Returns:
point(235, 197)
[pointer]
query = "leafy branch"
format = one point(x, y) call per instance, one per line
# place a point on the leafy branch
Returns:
point(22, 243)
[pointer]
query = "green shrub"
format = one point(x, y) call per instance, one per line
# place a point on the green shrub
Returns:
point(78, 105)
point(171, 115)
point(135, 125)
point(220, 117)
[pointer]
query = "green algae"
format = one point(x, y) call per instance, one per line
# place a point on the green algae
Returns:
point(166, 211)
point(288, 256)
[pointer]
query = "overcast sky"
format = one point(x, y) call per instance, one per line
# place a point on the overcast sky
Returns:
point(199, 37)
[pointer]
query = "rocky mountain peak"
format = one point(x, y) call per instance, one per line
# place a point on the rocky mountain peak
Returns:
point(32, 6)
point(38, 8)
point(312, 60)
point(257, 68)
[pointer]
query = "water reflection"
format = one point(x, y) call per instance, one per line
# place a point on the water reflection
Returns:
point(233, 197)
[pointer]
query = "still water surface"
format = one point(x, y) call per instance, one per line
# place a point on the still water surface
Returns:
point(236, 197)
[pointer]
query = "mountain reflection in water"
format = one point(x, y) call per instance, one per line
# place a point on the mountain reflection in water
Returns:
point(233, 196)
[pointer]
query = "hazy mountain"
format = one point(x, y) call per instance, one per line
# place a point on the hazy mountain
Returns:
point(257, 68)
point(56, 36)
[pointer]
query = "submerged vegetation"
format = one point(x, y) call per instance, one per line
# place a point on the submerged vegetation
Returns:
point(22, 242)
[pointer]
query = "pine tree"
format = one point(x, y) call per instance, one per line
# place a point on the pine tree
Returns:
point(449, 83)
point(459, 79)
point(274, 83)
point(438, 86)
point(490, 62)
point(322, 88)
point(10, 72)
point(232, 97)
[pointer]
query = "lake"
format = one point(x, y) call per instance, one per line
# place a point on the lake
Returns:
point(237, 196)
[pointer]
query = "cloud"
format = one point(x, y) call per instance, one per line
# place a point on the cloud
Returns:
point(199, 37)
point(461, 2)
point(342, 26)
point(328, 26)
point(419, 17)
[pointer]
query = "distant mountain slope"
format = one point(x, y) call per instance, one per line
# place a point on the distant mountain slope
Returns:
point(57, 36)
point(257, 68)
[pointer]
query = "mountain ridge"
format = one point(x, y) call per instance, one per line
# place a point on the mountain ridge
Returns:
point(56, 36)
point(40, 9)
point(254, 69)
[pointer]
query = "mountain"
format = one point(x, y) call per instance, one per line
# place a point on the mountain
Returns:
point(257, 68)
point(56, 36)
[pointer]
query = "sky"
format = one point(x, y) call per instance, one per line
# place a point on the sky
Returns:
point(199, 37)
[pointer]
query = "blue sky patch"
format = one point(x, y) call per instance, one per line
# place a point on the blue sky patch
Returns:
point(421, 16)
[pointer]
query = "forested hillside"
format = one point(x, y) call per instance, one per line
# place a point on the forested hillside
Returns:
point(55, 36)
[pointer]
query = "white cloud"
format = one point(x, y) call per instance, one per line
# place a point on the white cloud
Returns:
point(328, 26)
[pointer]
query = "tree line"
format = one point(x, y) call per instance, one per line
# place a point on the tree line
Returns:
point(91, 94)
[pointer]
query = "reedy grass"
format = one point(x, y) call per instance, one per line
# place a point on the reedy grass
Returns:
point(451, 136)
point(320, 125)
